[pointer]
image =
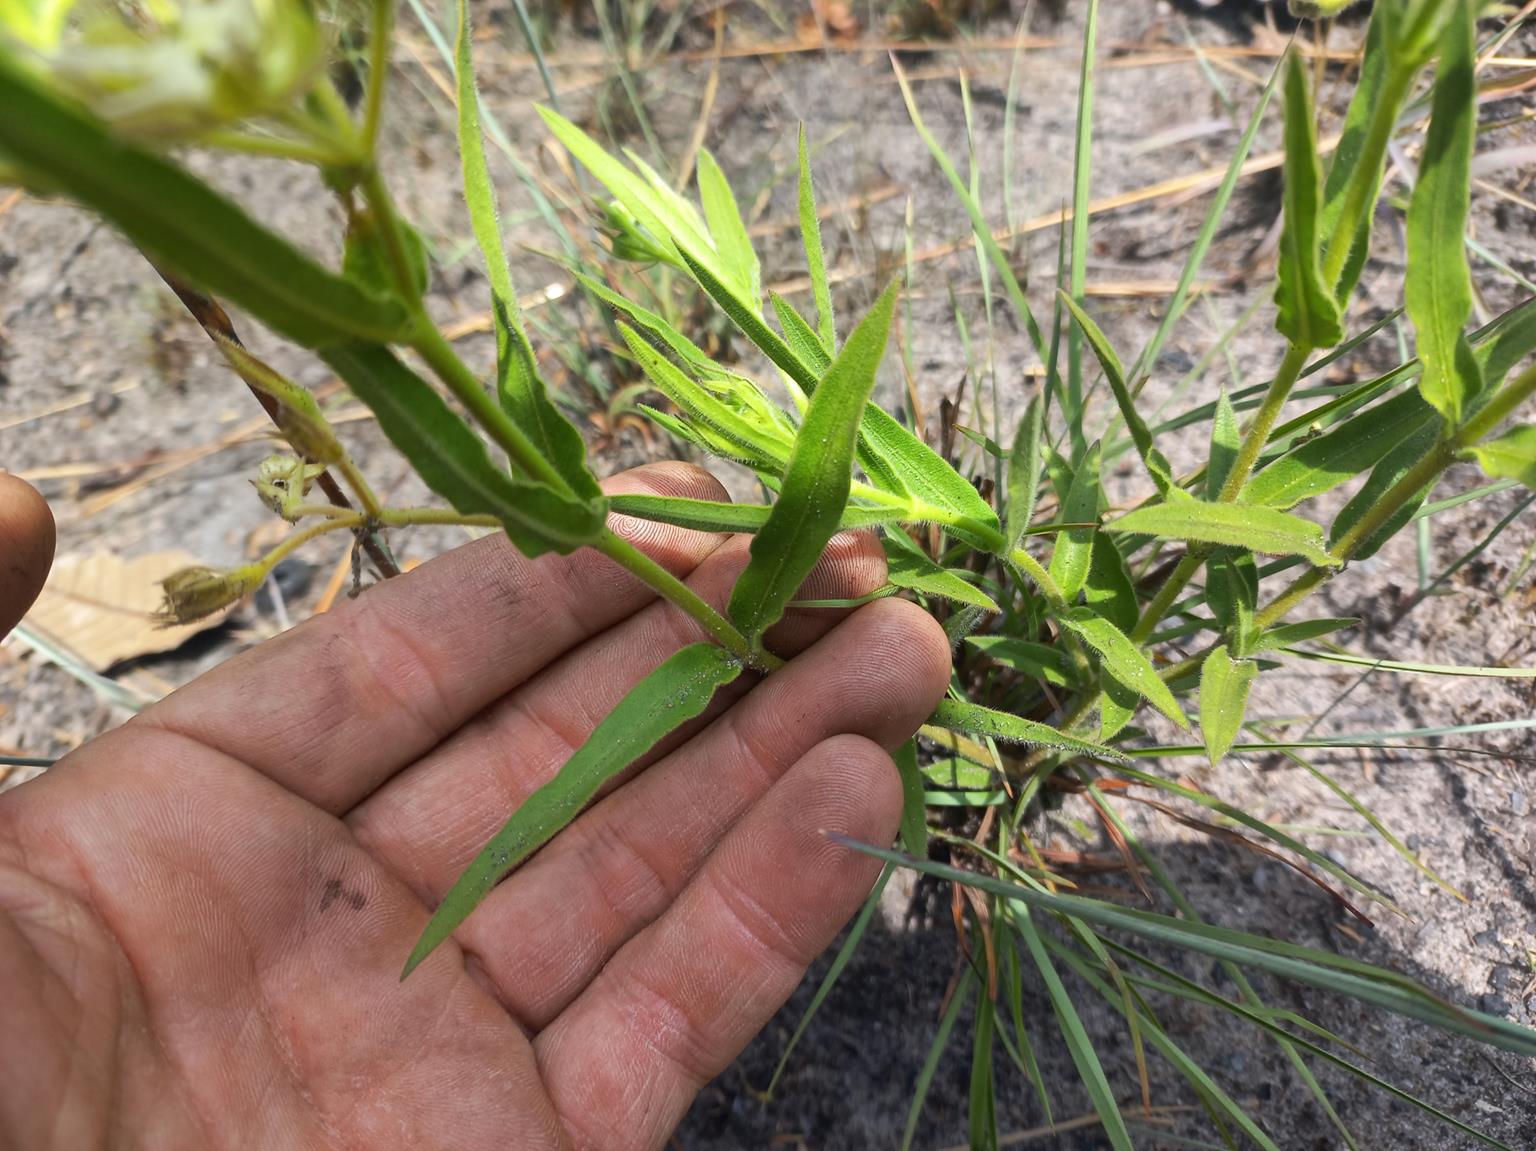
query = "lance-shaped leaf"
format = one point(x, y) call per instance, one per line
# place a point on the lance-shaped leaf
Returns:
point(1506, 341)
point(1035, 660)
point(519, 386)
point(1394, 466)
point(914, 808)
point(815, 258)
point(1326, 461)
point(1512, 456)
point(719, 516)
point(676, 692)
point(923, 474)
point(650, 323)
point(1235, 525)
point(1308, 313)
point(1122, 660)
point(1114, 372)
point(453, 460)
point(726, 228)
point(974, 719)
point(906, 567)
point(656, 209)
point(1226, 444)
point(1291, 633)
point(1074, 546)
point(185, 224)
point(1108, 589)
point(1370, 90)
point(817, 481)
point(1024, 463)
point(1439, 283)
point(801, 336)
point(1224, 687)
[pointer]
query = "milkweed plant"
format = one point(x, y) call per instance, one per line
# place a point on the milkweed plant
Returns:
point(1071, 614)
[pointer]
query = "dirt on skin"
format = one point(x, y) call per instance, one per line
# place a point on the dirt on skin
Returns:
point(143, 443)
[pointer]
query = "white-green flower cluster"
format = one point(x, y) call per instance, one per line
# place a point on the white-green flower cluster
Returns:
point(171, 69)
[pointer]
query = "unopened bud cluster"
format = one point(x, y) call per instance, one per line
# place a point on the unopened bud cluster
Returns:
point(195, 593)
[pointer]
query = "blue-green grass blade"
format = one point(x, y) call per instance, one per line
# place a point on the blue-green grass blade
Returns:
point(936, 1049)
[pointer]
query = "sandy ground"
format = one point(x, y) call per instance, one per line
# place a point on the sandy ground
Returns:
point(151, 457)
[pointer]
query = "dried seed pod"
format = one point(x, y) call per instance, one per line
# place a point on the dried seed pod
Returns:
point(197, 592)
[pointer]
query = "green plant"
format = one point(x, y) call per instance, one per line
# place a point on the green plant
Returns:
point(1064, 622)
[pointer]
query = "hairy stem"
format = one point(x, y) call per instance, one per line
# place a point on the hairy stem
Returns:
point(378, 73)
point(676, 592)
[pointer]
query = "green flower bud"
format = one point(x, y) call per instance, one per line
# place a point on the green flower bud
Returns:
point(630, 241)
point(282, 482)
point(195, 593)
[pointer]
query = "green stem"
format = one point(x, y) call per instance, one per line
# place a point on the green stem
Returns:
point(391, 231)
point(378, 72)
point(676, 592)
point(443, 360)
point(1031, 567)
point(1264, 421)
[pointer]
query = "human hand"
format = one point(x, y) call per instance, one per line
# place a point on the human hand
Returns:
point(26, 549)
point(204, 913)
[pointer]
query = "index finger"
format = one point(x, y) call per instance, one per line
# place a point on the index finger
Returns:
point(336, 706)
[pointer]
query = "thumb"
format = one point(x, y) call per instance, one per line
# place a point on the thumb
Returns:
point(26, 548)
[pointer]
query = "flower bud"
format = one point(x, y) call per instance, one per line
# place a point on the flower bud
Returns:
point(282, 482)
point(630, 241)
point(1319, 9)
point(194, 593)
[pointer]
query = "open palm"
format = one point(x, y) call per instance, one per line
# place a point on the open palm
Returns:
point(203, 914)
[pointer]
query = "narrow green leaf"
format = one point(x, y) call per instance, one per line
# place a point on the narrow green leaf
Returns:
point(1338, 973)
point(185, 224)
point(1114, 372)
point(982, 1113)
point(719, 516)
point(1035, 660)
point(925, 475)
point(1326, 461)
point(906, 567)
point(1308, 313)
point(727, 228)
point(1073, 554)
point(914, 812)
point(1224, 686)
point(1024, 463)
point(1108, 590)
point(1512, 456)
point(1506, 341)
point(930, 1066)
point(453, 460)
point(650, 323)
point(1288, 634)
point(1439, 281)
point(817, 480)
point(1123, 661)
point(953, 715)
point(1226, 443)
point(1079, 1045)
point(1370, 91)
point(755, 440)
point(745, 316)
point(1259, 529)
point(1393, 467)
point(519, 386)
point(1232, 590)
point(658, 214)
point(676, 692)
point(815, 257)
point(801, 336)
